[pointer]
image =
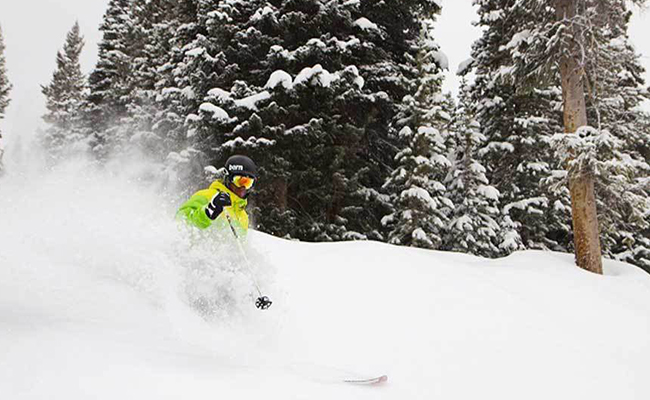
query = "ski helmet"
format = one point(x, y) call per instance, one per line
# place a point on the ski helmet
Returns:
point(241, 165)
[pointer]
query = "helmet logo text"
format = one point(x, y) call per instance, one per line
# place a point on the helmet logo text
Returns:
point(235, 167)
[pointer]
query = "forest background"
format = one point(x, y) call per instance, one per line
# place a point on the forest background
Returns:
point(383, 192)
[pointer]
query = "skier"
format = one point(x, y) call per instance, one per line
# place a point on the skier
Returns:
point(223, 205)
point(224, 202)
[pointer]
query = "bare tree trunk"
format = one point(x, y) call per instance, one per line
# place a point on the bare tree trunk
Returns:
point(581, 184)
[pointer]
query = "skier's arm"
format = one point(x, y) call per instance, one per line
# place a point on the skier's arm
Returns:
point(193, 210)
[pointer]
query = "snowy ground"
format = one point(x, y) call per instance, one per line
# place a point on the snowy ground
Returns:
point(102, 296)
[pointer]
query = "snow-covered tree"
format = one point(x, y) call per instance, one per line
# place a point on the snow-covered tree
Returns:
point(308, 90)
point(474, 224)
point(183, 80)
point(417, 186)
point(153, 118)
point(614, 101)
point(65, 96)
point(518, 123)
point(110, 82)
point(581, 41)
point(5, 88)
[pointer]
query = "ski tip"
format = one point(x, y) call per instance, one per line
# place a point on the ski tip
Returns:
point(370, 381)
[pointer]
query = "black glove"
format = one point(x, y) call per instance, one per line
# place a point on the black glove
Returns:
point(263, 303)
point(216, 205)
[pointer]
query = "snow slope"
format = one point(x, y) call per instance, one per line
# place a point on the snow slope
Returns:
point(104, 296)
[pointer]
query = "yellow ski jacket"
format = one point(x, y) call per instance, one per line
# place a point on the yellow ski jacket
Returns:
point(193, 210)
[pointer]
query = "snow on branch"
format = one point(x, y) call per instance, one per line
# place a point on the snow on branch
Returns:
point(216, 111)
point(365, 24)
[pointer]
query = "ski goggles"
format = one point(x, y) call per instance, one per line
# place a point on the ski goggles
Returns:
point(243, 181)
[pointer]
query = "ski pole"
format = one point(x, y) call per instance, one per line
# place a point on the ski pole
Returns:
point(262, 302)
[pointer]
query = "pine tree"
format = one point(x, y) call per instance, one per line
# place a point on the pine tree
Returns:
point(149, 115)
point(305, 88)
point(181, 78)
point(110, 82)
point(474, 226)
point(518, 123)
point(617, 90)
point(589, 40)
point(422, 206)
point(161, 95)
point(64, 97)
point(5, 88)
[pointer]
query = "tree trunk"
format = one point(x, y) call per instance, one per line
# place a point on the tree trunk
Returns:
point(581, 184)
point(280, 193)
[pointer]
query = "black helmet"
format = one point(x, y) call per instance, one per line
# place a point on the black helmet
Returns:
point(241, 165)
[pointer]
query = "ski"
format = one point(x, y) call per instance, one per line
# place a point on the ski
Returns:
point(369, 381)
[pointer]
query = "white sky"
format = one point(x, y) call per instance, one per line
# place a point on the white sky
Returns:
point(34, 30)
point(455, 35)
